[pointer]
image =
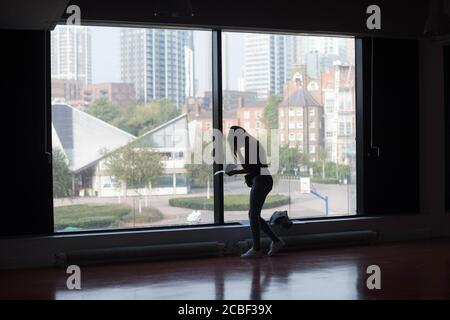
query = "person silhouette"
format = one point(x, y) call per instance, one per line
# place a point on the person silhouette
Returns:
point(258, 178)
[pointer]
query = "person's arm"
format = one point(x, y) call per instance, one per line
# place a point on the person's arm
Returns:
point(231, 170)
point(239, 171)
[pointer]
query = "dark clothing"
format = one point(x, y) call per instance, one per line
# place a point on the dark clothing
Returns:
point(261, 186)
point(250, 165)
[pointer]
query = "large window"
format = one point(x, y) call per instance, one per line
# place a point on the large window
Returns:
point(129, 105)
point(296, 93)
point(132, 124)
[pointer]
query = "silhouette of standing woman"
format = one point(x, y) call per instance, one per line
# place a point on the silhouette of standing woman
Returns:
point(258, 178)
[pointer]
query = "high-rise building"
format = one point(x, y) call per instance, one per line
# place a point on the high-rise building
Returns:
point(267, 61)
point(71, 55)
point(158, 62)
point(327, 50)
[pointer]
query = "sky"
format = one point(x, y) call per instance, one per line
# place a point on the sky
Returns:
point(106, 57)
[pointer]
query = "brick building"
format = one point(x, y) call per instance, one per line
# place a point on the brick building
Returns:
point(120, 94)
point(301, 119)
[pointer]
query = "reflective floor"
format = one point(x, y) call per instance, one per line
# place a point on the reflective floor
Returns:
point(409, 270)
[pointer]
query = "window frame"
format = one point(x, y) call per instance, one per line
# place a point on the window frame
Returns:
point(217, 123)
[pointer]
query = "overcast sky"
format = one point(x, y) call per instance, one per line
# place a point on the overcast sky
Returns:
point(106, 56)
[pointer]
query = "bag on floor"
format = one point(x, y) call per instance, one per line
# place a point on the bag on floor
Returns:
point(281, 218)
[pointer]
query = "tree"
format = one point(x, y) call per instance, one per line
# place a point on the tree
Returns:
point(322, 157)
point(62, 176)
point(270, 113)
point(291, 158)
point(141, 118)
point(104, 110)
point(200, 174)
point(135, 167)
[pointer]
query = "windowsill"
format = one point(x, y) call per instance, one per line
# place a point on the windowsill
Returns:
point(231, 225)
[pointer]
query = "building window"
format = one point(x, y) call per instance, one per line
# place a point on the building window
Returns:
point(341, 128)
point(348, 129)
point(291, 112)
point(246, 115)
point(291, 136)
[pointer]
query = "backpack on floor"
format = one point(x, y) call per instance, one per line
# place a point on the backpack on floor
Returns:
point(281, 218)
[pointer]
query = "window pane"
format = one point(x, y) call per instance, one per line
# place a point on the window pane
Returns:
point(304, 89)
point(128, 107)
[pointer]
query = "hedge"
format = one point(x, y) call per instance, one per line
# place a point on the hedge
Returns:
point(325, 181)
point(238, 202)
point(90, 216)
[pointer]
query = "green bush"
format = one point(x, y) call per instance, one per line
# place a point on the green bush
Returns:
point(238, 202)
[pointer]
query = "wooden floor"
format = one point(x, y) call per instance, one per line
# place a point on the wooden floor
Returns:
point(409, 270)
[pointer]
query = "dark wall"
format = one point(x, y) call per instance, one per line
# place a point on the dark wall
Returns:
point(447, 124)
point(400, 18)
point(27, 197)
point(391, 129)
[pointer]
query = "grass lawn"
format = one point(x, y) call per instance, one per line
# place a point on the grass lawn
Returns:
point(236, 202)
point(89, 216)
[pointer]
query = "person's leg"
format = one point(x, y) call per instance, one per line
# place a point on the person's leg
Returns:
point(258, 195)
point(253, 215)
point(267, 230)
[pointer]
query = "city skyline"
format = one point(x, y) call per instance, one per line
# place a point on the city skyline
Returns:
point(309, 50)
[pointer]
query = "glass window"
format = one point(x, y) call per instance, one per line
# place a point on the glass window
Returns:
point(126, 126)
point(252, 61)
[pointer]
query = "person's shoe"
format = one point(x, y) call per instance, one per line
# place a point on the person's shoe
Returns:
point(275, 247)
point(252, 253)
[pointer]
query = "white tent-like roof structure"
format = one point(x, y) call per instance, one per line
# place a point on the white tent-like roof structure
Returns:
point(83, 137)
